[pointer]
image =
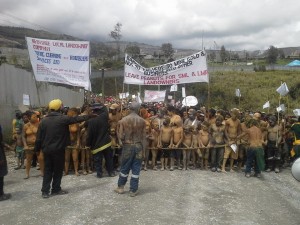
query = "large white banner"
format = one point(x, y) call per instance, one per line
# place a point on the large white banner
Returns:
point(65, 62)
point(190, 69)
point(154, 96)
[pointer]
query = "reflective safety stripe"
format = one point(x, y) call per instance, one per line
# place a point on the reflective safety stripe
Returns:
point(296, 142)
point(101, 148)
point(123, 175)
point(135, 176)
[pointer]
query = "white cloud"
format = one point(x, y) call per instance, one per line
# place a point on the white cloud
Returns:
point(236, 24)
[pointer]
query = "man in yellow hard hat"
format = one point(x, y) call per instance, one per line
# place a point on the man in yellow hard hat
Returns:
point(52, 138)
point(55, 105)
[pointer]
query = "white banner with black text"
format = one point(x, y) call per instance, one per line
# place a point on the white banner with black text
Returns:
point(189, 69)
point(65, 62)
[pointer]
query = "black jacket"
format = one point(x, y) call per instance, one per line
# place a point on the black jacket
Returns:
point(3, 162)
point(98, 130)
point(53, 132)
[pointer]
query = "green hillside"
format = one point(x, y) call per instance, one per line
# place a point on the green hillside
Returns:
point(256, 89)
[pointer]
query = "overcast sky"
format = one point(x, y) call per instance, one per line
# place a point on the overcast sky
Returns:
point(236, 24)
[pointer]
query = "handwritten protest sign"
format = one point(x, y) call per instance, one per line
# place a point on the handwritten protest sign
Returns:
point(65, 62)
point(189, 69)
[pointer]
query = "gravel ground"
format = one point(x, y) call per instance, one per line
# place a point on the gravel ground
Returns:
point(165, 197)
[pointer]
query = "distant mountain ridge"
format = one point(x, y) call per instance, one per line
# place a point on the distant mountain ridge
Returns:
point(14, 37)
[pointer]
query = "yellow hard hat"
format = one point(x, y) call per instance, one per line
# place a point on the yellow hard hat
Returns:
point(55, 104)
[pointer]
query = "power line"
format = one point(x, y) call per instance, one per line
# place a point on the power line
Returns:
point(32, 24)
point(5, 24)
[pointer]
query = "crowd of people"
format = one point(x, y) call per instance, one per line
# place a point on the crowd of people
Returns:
point(121, 136)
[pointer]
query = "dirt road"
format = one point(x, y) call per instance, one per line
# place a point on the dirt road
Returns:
point(165, 197)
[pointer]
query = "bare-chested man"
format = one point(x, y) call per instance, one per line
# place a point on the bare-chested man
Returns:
point(185, 115)
point(187, 144)
point(165, 140)
point(195, 146)
point(146, 151)
point(174, 118)
point(86, 154)
point(274, 137)
point(262, 124)
point(211, 116)
point(114, 117)
point(131, 135)
point(29, 137)
point(176, 144)
point(176, 124)
point(154, 142)
point(217, 142)
point(243, 143)
point(193, 122)
point(232, 130)
point(159, 117)
point(204, 139)
point(255, 151)
point(85, 151)
point(73, 148)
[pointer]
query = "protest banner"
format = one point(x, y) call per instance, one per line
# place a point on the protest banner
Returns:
point(65, 62)
point(189, 69)
point(154, 96)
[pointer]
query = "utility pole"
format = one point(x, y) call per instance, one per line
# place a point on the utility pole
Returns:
point(102, 84)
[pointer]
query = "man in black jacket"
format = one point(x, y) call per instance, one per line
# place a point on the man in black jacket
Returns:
point(3, 169)
point(52, 138)
point(99, 140)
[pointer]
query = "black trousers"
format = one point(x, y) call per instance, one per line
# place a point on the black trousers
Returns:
point(54, 166)
point(1, 185)
point(107, 154)
point(273, 155)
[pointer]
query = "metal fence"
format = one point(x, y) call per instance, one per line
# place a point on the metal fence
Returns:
point(15, 82)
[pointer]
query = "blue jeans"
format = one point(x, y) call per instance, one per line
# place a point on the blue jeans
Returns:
point(132, 157)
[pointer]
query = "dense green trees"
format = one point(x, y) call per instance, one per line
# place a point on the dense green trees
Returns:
point(223, 54)
point(133, 50)
point(167, 50)
point(272, 54)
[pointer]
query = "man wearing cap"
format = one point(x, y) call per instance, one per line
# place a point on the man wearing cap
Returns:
point(99, 140)
point(52, 138)
point(132, 136)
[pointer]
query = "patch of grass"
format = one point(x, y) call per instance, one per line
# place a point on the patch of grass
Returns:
point(256, 89)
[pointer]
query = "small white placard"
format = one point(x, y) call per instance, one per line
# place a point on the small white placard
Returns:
point(183, 92)
point(26, 99)
point(233, 147)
